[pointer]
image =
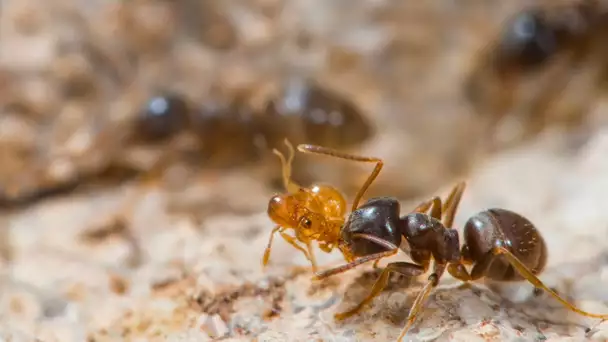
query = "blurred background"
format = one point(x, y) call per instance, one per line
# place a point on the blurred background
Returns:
point(187, 99)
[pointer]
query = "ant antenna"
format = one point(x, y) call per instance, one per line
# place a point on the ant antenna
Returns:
point(289, 185)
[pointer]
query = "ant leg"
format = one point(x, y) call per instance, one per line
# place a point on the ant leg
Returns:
point(434, 205)
point(417, 306)
point(293, 242)
point(527, 273)
point(312, 259)
point(458, 271)
point(267, 250)
point(353, 264)
point(314, 149)
point(451, 204)
point(405, 268)
point(286, 163)
point(391, 250)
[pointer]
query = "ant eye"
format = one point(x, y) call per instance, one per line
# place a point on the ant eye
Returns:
point(306, 223)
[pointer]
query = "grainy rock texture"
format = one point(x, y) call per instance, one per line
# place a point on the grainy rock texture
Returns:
point(202, 279)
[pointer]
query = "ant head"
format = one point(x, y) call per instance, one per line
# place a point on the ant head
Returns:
point(286, 211)
point(282, 210)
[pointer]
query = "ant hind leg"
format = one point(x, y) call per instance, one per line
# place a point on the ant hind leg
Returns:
point(533, 279)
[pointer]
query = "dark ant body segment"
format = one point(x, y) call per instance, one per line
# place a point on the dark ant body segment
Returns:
point(498, 244)
point(163, 117)
point(543, 49)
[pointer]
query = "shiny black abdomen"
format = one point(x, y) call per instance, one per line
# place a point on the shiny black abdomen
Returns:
point(503, 228)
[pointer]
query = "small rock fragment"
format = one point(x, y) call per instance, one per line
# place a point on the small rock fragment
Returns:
point(213, 325)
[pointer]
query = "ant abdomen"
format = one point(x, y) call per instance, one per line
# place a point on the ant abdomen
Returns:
point(321, 116)
point(504, 228)
point(378, 217)
point(230, 131)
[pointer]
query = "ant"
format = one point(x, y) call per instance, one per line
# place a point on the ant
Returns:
point(499, 244)
point(316, 213)
point(542, 49)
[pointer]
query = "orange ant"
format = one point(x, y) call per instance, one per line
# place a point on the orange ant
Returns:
point(316, 213)
point(499, 244)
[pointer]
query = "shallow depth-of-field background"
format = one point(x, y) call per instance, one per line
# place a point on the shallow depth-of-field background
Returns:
point(118, 225)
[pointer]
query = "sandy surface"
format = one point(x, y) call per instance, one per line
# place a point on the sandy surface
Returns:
point(202, 279)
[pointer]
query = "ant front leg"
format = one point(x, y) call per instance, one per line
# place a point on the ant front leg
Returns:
point(313, 149)
point(269, 246)
point(289, 240)
point(292, 241)
point(311, 257)
point(405, 268)
point(482, 267)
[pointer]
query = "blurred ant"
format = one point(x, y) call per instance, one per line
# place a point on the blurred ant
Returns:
point(499, 244)
point(553, 45)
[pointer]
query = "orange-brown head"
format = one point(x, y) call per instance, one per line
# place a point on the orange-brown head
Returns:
point(290, 212)
point(281, 210)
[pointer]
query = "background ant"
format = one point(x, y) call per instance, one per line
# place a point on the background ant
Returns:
point(544, 51)
point(499, 244)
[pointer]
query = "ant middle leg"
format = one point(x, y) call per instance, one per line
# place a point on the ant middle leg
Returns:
point(314, 149)
point(405, 268)
point(450, 206)
point(432, 207)
point(420, 300)
point(391, 250)
point(286, 163)
point(445, 211)
point(479, 269)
